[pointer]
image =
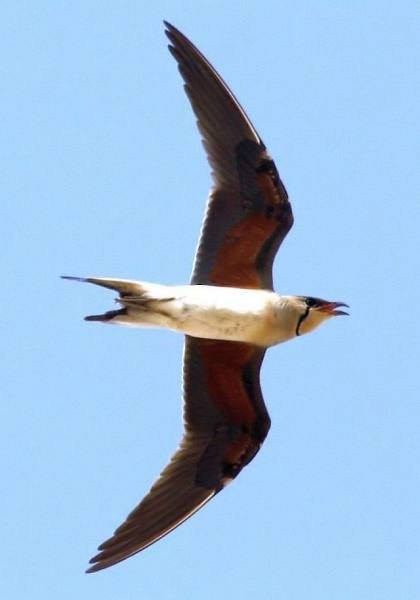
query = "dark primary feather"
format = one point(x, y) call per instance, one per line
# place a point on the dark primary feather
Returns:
point(172, 499)
point(248, 212)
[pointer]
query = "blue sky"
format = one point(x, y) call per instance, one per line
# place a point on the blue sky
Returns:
point(102, 173)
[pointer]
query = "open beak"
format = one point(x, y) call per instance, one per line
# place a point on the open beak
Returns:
point(331, 308)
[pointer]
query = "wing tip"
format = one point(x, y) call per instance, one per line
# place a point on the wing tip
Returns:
point(98, 563)
point(170, 29)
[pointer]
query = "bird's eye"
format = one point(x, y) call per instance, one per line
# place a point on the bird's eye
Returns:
point(310, 302)
point(302, 317)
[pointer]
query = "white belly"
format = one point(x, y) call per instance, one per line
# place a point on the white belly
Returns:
point(222, 313)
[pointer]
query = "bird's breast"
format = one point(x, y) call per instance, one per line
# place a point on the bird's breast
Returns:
point(231, 314)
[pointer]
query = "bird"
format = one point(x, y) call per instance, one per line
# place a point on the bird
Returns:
point(229, 313)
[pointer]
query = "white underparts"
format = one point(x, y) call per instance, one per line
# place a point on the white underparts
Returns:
point(255, 316)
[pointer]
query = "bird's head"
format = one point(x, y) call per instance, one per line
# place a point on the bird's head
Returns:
point(310, 312)
point(315, 311)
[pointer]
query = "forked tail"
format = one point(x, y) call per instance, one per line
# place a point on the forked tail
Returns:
point(136, 297)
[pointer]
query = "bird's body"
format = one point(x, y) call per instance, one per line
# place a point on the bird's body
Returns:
point(204, 311)
point(259, 317)
point(229, 313)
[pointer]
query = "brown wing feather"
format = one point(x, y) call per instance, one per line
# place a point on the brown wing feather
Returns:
point(222, 392)
point(248, 212)
point(225, 424)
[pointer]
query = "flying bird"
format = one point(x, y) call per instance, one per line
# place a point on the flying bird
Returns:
point(229, 313)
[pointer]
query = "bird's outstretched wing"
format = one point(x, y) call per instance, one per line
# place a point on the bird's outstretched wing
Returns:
point(225, 423)
point(248, 212)
point(248, 215)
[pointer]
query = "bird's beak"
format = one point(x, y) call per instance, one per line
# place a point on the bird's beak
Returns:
point(331, 308)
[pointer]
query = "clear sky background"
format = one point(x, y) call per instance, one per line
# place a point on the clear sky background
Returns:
point(102, 173)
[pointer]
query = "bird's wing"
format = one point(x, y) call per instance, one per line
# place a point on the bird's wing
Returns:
point(248, 215)
point(248, 212)
point(225, 424)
